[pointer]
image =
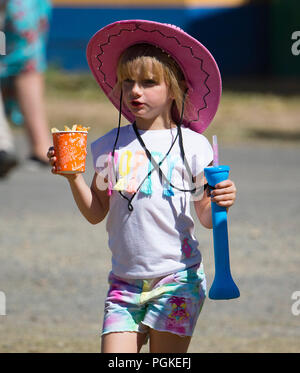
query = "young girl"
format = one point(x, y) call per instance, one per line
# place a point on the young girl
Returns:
point(147, 172)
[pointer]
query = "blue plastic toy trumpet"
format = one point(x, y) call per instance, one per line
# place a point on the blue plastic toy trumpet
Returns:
point(223, 286)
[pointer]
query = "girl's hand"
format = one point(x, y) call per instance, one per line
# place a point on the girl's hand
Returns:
point(224, 193)
point(52, 161)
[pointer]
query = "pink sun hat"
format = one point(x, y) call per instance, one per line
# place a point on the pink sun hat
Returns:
point(201, 71)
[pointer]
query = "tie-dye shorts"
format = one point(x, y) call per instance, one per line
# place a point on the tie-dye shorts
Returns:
point(171, 303)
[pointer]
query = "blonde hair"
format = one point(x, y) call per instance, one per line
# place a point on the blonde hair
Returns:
point(146, 61)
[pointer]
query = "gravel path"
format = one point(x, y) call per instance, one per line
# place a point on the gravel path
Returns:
point(54, 264)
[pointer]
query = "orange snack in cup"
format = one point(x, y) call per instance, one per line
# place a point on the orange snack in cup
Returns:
point(70, 150)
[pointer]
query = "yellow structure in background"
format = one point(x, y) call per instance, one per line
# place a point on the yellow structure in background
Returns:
point(198, 3)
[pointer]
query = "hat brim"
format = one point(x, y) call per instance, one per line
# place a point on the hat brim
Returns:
point(198, 65)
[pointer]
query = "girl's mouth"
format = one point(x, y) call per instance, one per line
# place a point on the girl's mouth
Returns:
point(136, 103)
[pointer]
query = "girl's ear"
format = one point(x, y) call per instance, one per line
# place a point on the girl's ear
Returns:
point(171, 95)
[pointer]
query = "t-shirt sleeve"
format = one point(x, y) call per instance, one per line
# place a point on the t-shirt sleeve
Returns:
point(100, 150)
point(202, 154)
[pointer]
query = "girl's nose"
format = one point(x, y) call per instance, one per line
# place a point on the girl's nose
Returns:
point(136, 89)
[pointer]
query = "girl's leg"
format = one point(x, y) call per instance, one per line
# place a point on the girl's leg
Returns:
point(121, 342)
point(164, 342)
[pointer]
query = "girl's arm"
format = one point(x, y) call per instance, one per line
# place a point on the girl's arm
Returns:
point(92, 202)
point(224, 195)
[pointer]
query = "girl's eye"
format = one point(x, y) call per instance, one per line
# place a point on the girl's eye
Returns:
point(128, 81)
point(149, 82)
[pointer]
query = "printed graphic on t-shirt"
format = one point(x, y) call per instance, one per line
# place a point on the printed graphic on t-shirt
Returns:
point(134, 171)
point(186, 248)
point(131, 171)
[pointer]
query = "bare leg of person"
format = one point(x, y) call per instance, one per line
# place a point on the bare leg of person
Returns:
point(164, 342)
point(8, 159)
point(122, 342)
point(6, 136)
point(30, 94)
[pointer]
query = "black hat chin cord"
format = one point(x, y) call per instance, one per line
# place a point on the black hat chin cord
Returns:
point(130, 207)
point(156, 166)
point(119, 124)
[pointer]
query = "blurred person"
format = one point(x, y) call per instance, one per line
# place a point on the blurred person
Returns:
point(25, 24)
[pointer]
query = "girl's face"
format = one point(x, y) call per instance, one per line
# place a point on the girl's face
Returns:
point(147, 98)
point(151, 82)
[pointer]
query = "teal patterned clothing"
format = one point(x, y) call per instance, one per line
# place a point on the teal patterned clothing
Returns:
point(25, 28)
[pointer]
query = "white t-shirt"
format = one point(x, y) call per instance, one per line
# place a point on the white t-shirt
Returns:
point(157, 237)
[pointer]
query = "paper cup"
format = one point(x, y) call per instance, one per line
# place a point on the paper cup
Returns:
point(70, 151)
